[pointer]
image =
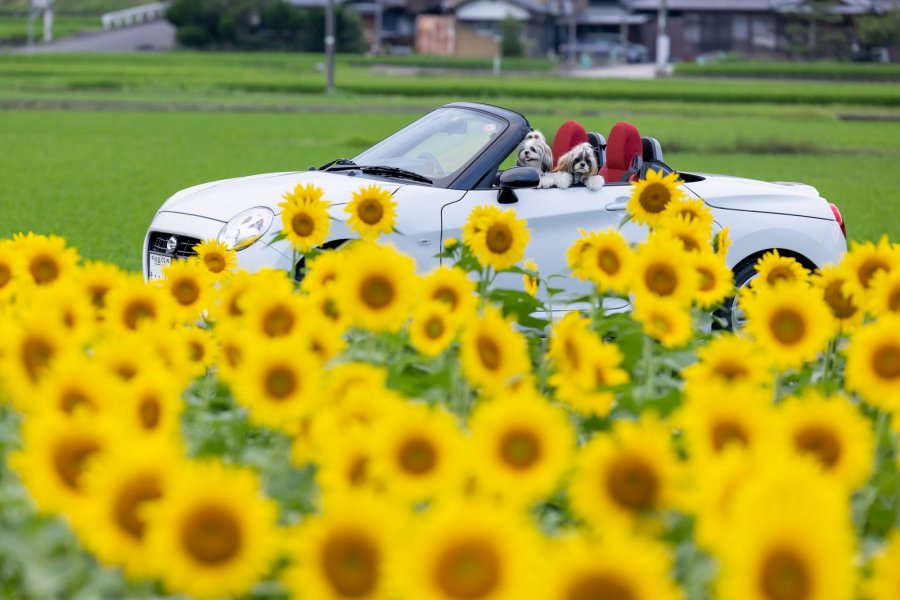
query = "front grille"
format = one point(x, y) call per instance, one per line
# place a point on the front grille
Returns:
point(184, 246)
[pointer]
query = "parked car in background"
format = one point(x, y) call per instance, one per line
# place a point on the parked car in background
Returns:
point(608, 48)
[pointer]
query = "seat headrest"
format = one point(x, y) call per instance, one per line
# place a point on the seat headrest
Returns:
point(652, 149)
point(599, 144)
point(623, 144)
point(569, 135)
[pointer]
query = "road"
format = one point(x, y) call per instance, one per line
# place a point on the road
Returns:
point(158, 35)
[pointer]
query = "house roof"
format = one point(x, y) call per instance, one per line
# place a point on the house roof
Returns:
point(533, 7)
point(848, 7)
point(605, 15)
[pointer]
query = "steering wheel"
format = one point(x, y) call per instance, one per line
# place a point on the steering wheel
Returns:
point(434, 167)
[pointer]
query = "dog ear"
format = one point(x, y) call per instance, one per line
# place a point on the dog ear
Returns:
point(546, 159)
point(565, 162)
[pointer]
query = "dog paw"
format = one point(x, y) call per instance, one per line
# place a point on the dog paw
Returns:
point(563, 180)
point(594, 183)
point(547, 181)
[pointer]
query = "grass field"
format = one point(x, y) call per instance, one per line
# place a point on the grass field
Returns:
point(97, 172)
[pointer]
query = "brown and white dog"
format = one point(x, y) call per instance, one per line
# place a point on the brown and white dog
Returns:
point(577, 165)
point(534, 152)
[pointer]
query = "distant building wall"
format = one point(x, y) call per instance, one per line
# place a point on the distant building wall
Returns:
point(474, 41)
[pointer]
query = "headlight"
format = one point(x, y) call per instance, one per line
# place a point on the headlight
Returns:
point(247, 227)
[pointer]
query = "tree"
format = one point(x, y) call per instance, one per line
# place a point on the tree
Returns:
point(879, 30)
point(511, 37)
point(812, 31)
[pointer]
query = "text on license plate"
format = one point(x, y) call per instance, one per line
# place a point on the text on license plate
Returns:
point(157, 263)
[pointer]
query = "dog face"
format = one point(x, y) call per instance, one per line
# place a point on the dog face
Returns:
point(579, 161)
point(534, 152)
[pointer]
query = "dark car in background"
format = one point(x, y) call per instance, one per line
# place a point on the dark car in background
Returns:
point(608, 48)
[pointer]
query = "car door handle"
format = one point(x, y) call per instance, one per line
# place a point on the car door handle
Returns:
point(618, 204)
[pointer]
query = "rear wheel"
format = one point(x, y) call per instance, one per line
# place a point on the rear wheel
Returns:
point(731, 316)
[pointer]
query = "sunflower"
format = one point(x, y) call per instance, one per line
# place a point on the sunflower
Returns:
point(468, 551)
point(432, 328)
point(9, 270)
point(790, 321)
point(666, 321)
point(662, 269)
point(235, 343)
point(169, 346)
point(216, 257)
point(567, 343)
point(372, 212)
point(650, 196)
point(453, 287)
point(522, 446)
point(126, 356)
point(692, 209)
point(342, 379)
point(606, 260)
point(304, 217)
point(493, 354)
point(344, 552)
point(189, 285)
point(833, 432)
point(378, 288)
point(626, 476)
point(695, 236)
point(884, 294)
point(74, 384)
point(774, 269)
point(97, 279)
point(496, 237)
point(575, 255)
point(65, 307)
point(278, 382)
point(56, 451)
point(45, 259)
point(323, 270)
point(885, 575)
point(711, 491)
point(213, 534)
point(728, 361)
point(135, 305)
point(620, 567)
point(365, 407)
point(713, 422)
point(341, 468)
point(31, 345)
point(863, 261)
point(873, 363)
point(800, 547)
point(326, 340)
point(202, 349)
point(416, 452)
point(327, 304)
point(121, 485)
point(715, 279)
point(231, 300)
point(275, 314)
point(723, 242)
point(149, 408)
point(830, 281)
point(531, 282)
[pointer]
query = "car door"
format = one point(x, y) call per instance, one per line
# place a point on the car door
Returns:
point(555, 217)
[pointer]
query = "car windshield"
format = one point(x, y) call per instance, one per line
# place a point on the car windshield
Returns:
point(438, 145)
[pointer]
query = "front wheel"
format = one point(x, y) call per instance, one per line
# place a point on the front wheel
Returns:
point(731, 316)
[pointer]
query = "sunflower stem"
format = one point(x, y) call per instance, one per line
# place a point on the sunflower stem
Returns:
point(649, 370)
point(777, 388)
point(830, 360)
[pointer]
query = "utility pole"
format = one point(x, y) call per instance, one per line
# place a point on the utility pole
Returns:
point(329, 47)
point(662, 41)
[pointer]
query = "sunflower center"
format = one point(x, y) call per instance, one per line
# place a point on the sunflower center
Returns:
point(788, 326)
point(499, 238)
point(893, 300)
point(330, 309)
point(196, 352)
point(661, 279)
point(186, 291)
point(608, 261)
point(731, 371)
point(434, 328)
point(44, 269)
point(520, 449)
point(5, 275)
point(350, 562)
point(633, 483)
point(36, 355)
point(886, 361)
point(211, 534)
point(137, 311)
point(868, 269)
point(370, 211)
point(417, 456)
point(233, 355)
point(130, 500)
point(468, 570)
point(707, 279)
point(489, 353)
point(446, 295)
point(785, 576)
point(126, 371)
point(215, 263)
point(689, 242)
point(97, 293)
point(661, 323)
point(357, 473)
point(780, 273)
point(149, 412)
point(278, 321)
point(280, 382)
point(70, 457)
point(820, 441)
point(303, 225)
point(655, 197)
point(572, 353)
point(841, 306)
point(377, 292)
point(72, 399)
point(725, 433)
point(599, 586)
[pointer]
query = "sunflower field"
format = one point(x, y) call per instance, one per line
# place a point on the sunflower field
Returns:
point(369, 432)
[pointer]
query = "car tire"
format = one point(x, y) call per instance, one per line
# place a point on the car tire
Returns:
point(730, 316)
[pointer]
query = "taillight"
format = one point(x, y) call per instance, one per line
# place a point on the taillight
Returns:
point(838, 218)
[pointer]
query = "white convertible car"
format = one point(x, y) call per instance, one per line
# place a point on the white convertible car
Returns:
point(445, 163)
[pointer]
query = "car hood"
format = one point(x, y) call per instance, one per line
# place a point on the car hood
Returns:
point(736, 193)
point(221, 200)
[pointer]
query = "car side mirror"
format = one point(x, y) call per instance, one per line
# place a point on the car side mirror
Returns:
point(516, 178)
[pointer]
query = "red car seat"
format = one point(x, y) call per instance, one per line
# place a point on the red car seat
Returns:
point(569, 135)
point(623, 144)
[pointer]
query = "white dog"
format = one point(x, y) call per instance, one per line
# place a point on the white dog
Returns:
point(534, 152)
point(577, 165)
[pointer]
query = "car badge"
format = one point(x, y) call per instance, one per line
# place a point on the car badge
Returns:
point(171, 245)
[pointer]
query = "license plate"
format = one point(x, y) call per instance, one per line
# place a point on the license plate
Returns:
point(157, 263)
